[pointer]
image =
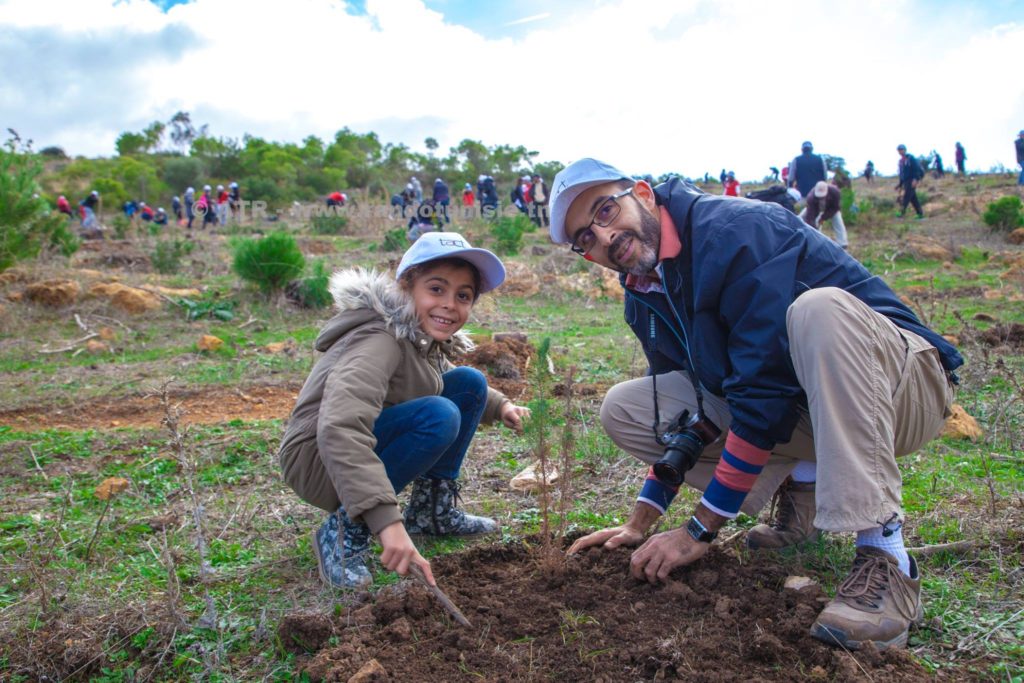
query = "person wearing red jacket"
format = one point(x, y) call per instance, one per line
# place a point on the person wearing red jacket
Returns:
point(732, 186)
point(336, 199)
point(222, 205)
point(63, 206)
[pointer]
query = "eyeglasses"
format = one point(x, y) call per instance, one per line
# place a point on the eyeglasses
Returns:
point(604, 216)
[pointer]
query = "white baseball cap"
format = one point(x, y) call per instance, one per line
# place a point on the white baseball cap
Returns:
point(437, 245)
point(570, 183)
point(820, 189)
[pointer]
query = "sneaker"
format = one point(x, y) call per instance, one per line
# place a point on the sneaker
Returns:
point(341, 547)
point(793, 511)
point(877, 602)
point(432, 511)
point(919, 217)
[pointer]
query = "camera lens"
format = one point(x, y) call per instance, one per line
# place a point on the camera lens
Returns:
point(681, 453)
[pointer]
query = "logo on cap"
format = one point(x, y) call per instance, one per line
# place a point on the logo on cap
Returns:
point(452, 243)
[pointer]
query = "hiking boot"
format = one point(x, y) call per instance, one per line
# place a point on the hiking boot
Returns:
point(341, 547)
point(793, 512)
point(877, 602)
point(431, 511)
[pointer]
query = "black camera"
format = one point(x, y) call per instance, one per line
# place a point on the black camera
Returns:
point(683, 443)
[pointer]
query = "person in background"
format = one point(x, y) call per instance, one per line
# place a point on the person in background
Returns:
point(222, 205)
point(785, 176)
point(63, 206)
point(1019, 146)
point(235, 199)
point(823, 204)
point(468, 198)
point(442, 199)
point(88, 209)
point(775, 173)
point(161, 217)
point(722, 177)
point(417, 188)
point(731, 187)
point(807, 169)
point(130, 208)
point(539, 194)
point(960, 158)
point(336, 199)
point(190, 204)
point(146, 212)
point(209, 203)
point(910, 174)
point(176, 209)
point(519, 193)
point(869, 171)
point(937, 160)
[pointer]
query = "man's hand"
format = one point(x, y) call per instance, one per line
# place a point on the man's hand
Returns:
point(663, 552)
point(608, 538)
point(399, 552)
point(512, 416)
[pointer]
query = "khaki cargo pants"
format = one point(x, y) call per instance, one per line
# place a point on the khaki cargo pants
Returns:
point(874, 392)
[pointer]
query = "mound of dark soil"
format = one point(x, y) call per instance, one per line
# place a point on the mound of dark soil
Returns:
point(505, 361)
point(589, 620)
point(1011, 335)
point(112, 254)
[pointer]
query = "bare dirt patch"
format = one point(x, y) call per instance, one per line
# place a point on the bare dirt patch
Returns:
point(506, 361)
point(718, 620)
point(209, 406)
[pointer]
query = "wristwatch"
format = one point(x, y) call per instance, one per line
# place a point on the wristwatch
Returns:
point(699, 532)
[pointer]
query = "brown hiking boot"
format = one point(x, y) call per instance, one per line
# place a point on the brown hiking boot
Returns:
point(876, 602)
point(793, 512)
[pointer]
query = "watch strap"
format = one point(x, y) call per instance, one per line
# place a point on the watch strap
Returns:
point(699, 532)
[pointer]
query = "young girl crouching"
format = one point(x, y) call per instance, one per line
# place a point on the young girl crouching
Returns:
point(384, 407)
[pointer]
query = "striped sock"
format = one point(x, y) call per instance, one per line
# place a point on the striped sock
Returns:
point(892, 544)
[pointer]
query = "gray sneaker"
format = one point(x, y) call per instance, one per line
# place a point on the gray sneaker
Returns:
point(877, 602)
point(341, 547)
point(432, 511)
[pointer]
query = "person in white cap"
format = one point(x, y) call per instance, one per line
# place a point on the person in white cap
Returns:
point(766, 333)
point(385, 407)
point(823, 204)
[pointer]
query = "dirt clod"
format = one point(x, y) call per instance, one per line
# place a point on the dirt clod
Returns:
point(55, 293)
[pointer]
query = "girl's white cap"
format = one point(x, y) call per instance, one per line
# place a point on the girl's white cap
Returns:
point(437, 245)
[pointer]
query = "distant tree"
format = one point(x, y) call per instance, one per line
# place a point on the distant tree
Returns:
point(183, 132)
point(129, 144)
point(52, 151)
point(154, 134)
point(834, 163)
point(431, 144)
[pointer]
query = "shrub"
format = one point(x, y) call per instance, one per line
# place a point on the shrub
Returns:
point(166, 258)
point(846, 205)
point(508, 234)
point(394, 240)
point(122, 224)
point(26, 223)
point(311, 291)
point(1004, 214)
point(330, 224)
point(269, 262)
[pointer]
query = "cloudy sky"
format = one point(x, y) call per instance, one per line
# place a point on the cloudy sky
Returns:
point(649, 85)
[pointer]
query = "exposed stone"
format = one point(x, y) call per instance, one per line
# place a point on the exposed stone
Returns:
point(530, 478)
point(128, 299)
point(798, 583)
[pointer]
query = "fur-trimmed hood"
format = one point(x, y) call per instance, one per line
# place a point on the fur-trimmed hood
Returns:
point(361, 296)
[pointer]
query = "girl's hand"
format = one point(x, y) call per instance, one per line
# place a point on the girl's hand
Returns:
point(512, 416)
point(399, 552)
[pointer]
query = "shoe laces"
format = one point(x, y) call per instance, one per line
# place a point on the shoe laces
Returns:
point(870, 579)
point(783, 509)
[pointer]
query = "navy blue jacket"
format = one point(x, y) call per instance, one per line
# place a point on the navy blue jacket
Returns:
point(741, 266)
point(807, 169)
point(910, 170)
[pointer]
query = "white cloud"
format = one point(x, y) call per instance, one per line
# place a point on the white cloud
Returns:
point(652, 85)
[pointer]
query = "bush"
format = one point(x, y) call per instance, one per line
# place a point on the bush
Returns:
point(394, 240)
point(26, 222)
point(846, 201)
point(122, 224)
point(182, 172)
point(1004, 214)
point(508, 234)
point(311, 291)
point(331, 224)
point(166, 258)
point(270, 262)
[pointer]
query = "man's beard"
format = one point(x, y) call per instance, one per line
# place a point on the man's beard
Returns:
point(645, 245)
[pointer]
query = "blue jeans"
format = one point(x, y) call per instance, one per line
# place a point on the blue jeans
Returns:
point(429, 436)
